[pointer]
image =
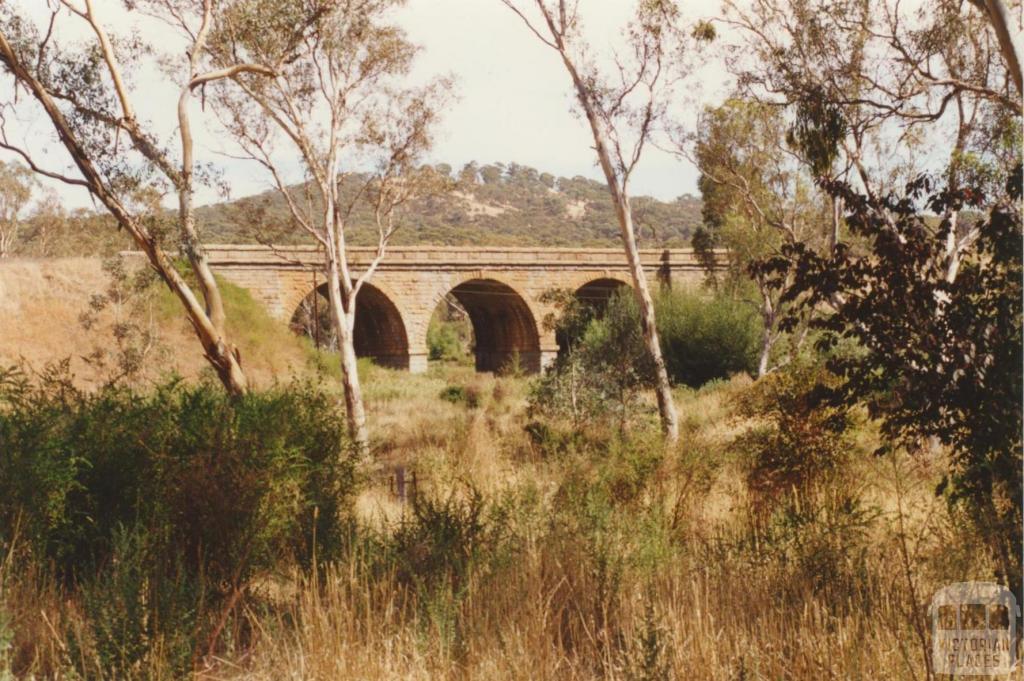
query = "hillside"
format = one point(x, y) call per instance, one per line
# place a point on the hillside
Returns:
point(495, 204)
point(49, 300)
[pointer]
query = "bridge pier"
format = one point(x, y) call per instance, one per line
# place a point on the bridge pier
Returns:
point(418, 362)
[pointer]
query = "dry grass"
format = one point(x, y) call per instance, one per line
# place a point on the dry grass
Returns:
point(665, 581)
point(712, 608)
point(42, 301)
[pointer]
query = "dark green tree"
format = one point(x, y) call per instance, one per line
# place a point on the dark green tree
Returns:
point(938, 336)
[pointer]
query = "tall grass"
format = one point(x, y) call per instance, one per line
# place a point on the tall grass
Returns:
point(548, 553)
point(155, 515)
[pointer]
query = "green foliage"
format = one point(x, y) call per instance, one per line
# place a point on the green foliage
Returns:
point(706, 338)
point(606, 531)
point(601, 375)
point(650, 662)
point(449, 337)
point(17, 184)
point(737, 149)
point(53, 232)
point(440, 549)
point(444, 539)
point(120, 601)
point(805, 508)
point(798, 442)
point(819, 130)
point(606, 365)
point(166, 506)
point(129, 297)
point(940, 347)
point(756, 195)
point(459, 394)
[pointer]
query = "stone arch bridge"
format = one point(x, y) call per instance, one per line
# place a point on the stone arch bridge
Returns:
point(500, 289)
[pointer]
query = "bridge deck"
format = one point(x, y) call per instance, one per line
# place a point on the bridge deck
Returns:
point(452, 257)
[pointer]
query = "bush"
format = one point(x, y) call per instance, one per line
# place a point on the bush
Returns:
point(607, 364)
point(458, 394)
point(171, 502)
point(442, 540)
point(449, 340)
point(600, 378)
point(805, 510)
point(706, 338)
point(797, 443)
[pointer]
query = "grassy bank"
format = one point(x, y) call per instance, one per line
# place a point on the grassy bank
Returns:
point(524, 549)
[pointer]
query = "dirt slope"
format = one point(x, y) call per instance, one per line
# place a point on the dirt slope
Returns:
point(42, 302)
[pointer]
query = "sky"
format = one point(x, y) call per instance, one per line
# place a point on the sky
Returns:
point(515, 98)
point(512, 97)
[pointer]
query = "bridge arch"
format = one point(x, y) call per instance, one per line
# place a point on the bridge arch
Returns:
point(380, 328)
point(595, 293)
point(598, 292)
point(504, 326)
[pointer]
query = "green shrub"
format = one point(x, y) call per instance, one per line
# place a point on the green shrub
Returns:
point(606, 365)
point(706, 338)
point(806, 509)
point(166, 506)
point(458, 394)
point(441, 540)
point(449, 340)
point(797, 443)
point(599, 380)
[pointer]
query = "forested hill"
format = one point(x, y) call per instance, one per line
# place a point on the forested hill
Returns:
point(495, 204)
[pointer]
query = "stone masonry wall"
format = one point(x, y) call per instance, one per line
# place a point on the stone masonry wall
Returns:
point(415, 280)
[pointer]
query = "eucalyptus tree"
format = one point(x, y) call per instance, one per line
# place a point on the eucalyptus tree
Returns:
point(16, 186)
point(758, 197)
point(876, 93)
point(937, 357)
point(624, 105)
point(89, 89)
point(911, 120)
point(341, 107)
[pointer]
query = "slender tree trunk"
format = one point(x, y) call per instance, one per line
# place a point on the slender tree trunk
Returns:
point(767, 329)
point(767, 326)
point(223, 357)
point(837, 215)
point(766, 351)
point(7, 237)
point(1009, 39)
point(344, 324)
point(220, 353)
point(353, 393)
point(663, 388)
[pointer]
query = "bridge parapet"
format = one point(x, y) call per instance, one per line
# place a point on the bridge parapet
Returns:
point(454, 257)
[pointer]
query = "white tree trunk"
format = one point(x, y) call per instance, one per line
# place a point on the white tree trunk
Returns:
point(344, 325)
point(767, 330)
point(662, 388)
point(766, 351)
point(1009, 39)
